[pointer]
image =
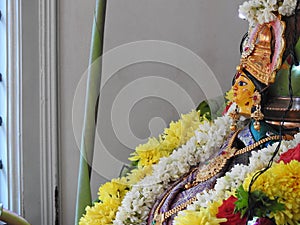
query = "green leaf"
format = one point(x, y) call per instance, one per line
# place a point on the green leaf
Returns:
point(241, 205)
point(256, 204)
point(204, 109)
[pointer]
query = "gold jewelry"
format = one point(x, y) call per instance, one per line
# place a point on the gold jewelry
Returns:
point(257, 115)
point(249, 43)
point(258, 58)
point(218, 163)
point(204, 174)
point(159, 218)
point(235, 117)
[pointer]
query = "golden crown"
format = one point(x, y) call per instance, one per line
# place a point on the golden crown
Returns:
point(262, 52)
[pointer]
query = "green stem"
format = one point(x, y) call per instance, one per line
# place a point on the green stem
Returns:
point(90, 115)
point(11, 218)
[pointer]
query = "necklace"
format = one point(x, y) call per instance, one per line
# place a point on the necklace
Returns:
point(207, 172)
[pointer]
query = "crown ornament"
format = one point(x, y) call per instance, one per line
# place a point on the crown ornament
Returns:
point(262, 52)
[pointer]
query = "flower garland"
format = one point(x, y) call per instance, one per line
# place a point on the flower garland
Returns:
point(234, 178)
point(257, 11)
point(138, 202)
point(206, 141)
point(241, 174)
point(281, 182)
point(112, 193)
point(200, 217)
point(176, 135)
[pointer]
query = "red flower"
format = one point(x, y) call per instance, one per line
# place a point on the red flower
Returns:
point(226, 210)
point(291, 154)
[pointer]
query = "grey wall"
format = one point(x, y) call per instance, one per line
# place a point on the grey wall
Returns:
point(30, 111)
point(209, 28)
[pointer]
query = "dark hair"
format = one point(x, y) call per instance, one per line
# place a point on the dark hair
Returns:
point(258, 85)
point(292, 34)
point(244, 38)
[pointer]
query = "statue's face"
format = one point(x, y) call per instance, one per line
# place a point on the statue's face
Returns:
point(243, 90)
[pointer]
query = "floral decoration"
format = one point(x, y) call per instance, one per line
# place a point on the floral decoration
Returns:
point(280, 182)
point(200, 217)
point(139, 198)
point(206, 141)
point(291, 154)
point(257, 11)
point(177, 134)
point(110, 196)
point(112, 193)
point(226, 210)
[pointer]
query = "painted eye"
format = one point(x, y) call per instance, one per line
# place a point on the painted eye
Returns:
point(242, 83)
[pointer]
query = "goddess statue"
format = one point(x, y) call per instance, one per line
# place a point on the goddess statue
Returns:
point(265, 95)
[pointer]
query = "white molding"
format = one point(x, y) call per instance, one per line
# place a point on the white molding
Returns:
point(48, 111)
point(14, 107)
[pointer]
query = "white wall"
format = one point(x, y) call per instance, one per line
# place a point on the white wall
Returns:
point(209, 28)
point(75, 32)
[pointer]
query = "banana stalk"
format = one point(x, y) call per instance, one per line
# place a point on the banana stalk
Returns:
point(89, 125)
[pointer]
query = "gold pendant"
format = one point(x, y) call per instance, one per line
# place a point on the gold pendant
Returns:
point(158, 219)
point(215, 166)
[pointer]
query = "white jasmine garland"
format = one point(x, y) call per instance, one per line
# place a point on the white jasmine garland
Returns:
point(139, 200)
point(137, 203)
point(207, 140)
point(287, 8)
point(258, 11)
point(234, 178)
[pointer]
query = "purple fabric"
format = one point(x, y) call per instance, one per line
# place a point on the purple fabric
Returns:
point(246, 137)
point(178, 194)
point(264, 221)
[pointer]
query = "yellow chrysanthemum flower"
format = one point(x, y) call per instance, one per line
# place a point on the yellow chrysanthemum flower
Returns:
point(282, 181)
point(112, 193)
point(173, 133)
point(181, 131)
point(147, 154)
point(202, 217)
point(214, 206)
point(138, 174)
point(176, 135)
point(100, 213)
point(115, 189)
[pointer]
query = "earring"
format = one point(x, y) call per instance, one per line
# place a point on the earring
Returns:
point(257, 115)
point(235, 117)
